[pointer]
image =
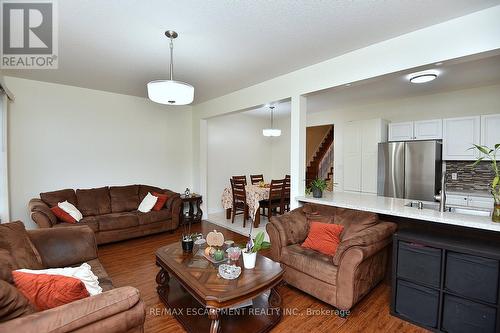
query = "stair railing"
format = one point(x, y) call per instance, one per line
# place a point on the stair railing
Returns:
point(326, 163)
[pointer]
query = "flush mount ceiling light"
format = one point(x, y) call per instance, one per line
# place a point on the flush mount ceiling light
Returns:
point(170, 91)
point(424, 76)
point(271, 131)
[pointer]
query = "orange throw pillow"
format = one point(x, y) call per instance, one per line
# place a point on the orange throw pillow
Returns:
point(62, 215)
point(47, 291)
point(162, 199)
point(323, 237)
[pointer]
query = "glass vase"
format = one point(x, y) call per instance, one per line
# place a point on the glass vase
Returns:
point(495, 217)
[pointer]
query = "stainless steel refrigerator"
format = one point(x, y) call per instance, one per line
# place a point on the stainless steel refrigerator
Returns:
point(410, 169)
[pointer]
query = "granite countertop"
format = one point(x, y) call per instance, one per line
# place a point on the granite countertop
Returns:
point(396, 207)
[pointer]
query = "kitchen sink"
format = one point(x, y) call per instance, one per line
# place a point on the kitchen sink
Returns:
point(458, 210)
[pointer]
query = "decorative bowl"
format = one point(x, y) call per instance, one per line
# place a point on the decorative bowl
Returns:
point(229, 272)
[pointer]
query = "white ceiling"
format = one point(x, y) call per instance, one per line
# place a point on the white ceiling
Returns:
point(454, 75)
point(118, 45)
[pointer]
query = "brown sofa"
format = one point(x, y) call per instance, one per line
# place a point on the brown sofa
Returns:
point(111, 212)
point(112, 311)
point(340, 280)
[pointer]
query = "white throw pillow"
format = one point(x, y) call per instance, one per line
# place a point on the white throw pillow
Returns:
point(71, 210)
point(147, 203)
point(82, 273)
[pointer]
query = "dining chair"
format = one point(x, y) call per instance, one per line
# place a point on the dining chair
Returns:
point(275, 198)
point(240, 179)
point(285, 202)
point(256, 179)
point(239, 200)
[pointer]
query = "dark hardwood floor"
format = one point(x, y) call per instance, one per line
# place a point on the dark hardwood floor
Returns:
point(132, 263)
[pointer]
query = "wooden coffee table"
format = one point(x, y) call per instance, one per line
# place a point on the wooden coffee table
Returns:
point(204, 302)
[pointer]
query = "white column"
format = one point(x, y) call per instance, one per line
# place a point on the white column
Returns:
point(297, 148)
point(203, 162)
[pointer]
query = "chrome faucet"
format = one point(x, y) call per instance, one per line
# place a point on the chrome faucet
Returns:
point(441, 197)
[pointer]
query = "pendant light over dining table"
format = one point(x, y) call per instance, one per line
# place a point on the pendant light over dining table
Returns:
point(171, 92)
point(271, 131)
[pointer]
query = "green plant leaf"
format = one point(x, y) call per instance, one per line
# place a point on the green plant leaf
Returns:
point(495, 182)
point(482, 149)
point(473, 165)
point(497, 146)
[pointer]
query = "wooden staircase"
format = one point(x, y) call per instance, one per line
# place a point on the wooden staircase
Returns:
point(313, 167)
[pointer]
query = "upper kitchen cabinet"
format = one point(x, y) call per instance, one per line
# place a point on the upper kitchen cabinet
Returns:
point(416, 130)
point(401, 131)
point(459, 134)
point(428, 129)
point(490, 130)
point(361, 141)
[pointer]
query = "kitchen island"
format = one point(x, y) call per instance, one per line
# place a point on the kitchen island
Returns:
point(396, 207)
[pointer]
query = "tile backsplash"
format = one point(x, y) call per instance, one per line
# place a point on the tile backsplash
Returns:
point(469, 179)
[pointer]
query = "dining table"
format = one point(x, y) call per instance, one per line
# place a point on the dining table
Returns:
point(254, 193)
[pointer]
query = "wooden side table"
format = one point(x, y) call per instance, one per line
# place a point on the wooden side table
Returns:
point(191, 210)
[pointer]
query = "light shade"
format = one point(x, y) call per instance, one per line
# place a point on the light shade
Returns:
point(271, 132)
point(170, 92)
point(423, 76)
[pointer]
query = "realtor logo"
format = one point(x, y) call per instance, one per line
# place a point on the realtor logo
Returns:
point(29, 34)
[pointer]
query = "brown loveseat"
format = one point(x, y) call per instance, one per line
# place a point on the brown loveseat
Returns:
point(112, 311)
point(340, 280)
point(111, 212)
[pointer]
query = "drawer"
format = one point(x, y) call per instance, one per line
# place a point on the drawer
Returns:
point(457, 200)
point(472, 276)
point(418, 304)
point(421, 264)
point(463, 316)
point(481, 202)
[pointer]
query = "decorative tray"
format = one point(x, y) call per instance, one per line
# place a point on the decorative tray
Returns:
point(229, 272)
point(212, 260)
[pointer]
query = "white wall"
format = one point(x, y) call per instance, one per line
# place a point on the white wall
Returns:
point(236, 146)
point(68, 137)
point(476, 101)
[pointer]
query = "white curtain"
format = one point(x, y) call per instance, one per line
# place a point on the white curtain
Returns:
point(4, 179)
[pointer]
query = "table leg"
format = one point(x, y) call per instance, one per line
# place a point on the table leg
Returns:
point(228, 213)
point(162, 279)
point(256, 220)
point(274, 299)
point(213, 315)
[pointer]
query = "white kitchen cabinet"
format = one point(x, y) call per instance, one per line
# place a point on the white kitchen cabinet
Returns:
point(469, 200)
point(490, 130)
point(401, 131)
point(361, 141)
point(428, 129)
point(459, 134)
point(416, 130)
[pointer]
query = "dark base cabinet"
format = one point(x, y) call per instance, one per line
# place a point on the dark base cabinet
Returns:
point(446, 283)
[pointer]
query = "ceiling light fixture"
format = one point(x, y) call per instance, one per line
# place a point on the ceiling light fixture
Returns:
point(271, 131)
point(170, 91)
point(424, 76)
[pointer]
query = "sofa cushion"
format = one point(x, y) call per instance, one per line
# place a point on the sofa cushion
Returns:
point(124, 198)
point(116, 221)
point(95, 201)
point(7, 265)
point(310, 262)
point(354, 221)
point(323, 237)
point(62, 215)
point(89, 221)
point(13, 304)
point(105, 281)
point(144, 189)
point(154, 216)
point(54, 197)
point(14, 238)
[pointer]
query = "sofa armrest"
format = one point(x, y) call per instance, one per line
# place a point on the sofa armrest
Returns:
point(41, 214)
point(275, 239)
point(174, 204)
point(62, 247)
point(84, 313)
point(369, 236)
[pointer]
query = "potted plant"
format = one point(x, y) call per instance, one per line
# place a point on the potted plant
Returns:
point(188, 238)
point(491, 154)
point(253, 246)
point(318, 186)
